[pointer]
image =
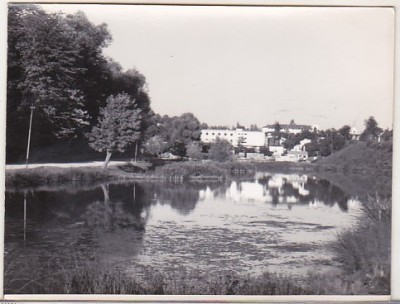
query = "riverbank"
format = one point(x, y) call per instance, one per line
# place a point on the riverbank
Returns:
point(177, 171)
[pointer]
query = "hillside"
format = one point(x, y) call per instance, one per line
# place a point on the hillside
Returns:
point(362, 156)
point(372, 160)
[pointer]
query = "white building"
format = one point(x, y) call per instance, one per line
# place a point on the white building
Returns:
point(235, 137)
point(301, 145)
point(276, 150)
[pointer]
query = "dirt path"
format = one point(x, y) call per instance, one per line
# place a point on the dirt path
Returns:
point(63, 165)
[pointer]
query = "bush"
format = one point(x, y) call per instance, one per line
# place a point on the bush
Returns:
point(365, 250)
point(220, 150)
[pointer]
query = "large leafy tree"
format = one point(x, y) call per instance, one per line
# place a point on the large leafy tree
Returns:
point(371, 131)
point(176, 131)
point(118, 126)
point(49, 55)
point(55, 62)
point(47, 62)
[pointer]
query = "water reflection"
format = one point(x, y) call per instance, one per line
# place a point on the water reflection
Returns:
point(111, 215)
point(294, 188)
point(235, 225)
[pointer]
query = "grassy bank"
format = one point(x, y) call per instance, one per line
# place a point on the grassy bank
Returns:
point(365, 250)
point(89, 278)
point(173, 171)
point(46, 175)
point(362, 157)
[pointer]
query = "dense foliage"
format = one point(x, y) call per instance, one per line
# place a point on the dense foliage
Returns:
point(175, 132)
point(55, 63)
point(118, 126)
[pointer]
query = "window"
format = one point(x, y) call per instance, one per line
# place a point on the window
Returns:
point(213, 134)
point(224, 134)
point(206, 133)
point(219, 134)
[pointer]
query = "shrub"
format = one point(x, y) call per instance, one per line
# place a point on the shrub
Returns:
point(220, 150)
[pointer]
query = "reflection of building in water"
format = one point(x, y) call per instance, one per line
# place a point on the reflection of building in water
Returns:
point(315, 204)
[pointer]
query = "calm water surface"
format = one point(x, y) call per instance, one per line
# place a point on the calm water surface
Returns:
point(274, 222)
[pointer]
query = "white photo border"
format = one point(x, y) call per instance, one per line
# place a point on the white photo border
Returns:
point(395, 260)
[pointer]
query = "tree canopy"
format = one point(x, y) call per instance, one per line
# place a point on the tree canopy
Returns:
point(220, 150)
point(56, 63)
point(118, 126)
point(177, 131)
point(371, 131)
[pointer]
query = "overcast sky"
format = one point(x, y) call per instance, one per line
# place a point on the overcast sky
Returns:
point(257, 65)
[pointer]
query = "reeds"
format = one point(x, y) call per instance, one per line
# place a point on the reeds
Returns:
point(39, 176)
point(365, 250)
point(206, 170)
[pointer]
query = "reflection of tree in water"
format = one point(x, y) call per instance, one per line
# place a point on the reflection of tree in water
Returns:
point(220, 189)
point(326, 192)
point(111, 215)
point(318, 190)
point(181, 196)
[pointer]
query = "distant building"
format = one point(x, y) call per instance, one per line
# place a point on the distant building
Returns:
point(235, 137)
point(292, 156)
point(302, 145)
point(355, 134)
point(300, 155)
point(276, 150)
point(253, 139)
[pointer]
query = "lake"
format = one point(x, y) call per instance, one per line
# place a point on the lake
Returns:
point(273, 222)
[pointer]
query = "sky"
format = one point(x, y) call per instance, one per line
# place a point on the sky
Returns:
point(257, 65)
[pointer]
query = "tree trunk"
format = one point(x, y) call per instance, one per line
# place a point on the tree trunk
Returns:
point(106, 194)
point(107, 159)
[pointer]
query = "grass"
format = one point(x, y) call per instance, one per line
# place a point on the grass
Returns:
point(39, 176)
point(88, 278)
point(361, 157)
point(141, 170)
point(365, 250)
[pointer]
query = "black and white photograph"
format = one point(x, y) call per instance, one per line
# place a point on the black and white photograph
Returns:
point(198, 150)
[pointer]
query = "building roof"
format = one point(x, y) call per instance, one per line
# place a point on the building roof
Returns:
point(289, 126)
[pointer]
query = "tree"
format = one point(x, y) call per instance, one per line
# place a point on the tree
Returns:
point(220, 150)
point(48, 57)
point(155, 145)
point(177, 131)
point(277, 131)
point(193, 150)
point(254, 128)
point(118, 126)
point(345, 132)
point(55, 62)
point(371, 131)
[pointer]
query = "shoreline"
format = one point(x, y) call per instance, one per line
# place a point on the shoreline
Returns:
point(188, 170)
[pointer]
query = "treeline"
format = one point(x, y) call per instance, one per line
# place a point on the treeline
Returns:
point(56, 65)
point(326, 142)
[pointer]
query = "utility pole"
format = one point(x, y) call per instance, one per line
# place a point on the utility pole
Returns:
point(135, 151)
point(29, 136)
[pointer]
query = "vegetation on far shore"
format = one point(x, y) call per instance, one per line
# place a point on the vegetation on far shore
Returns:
point(356, 158)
